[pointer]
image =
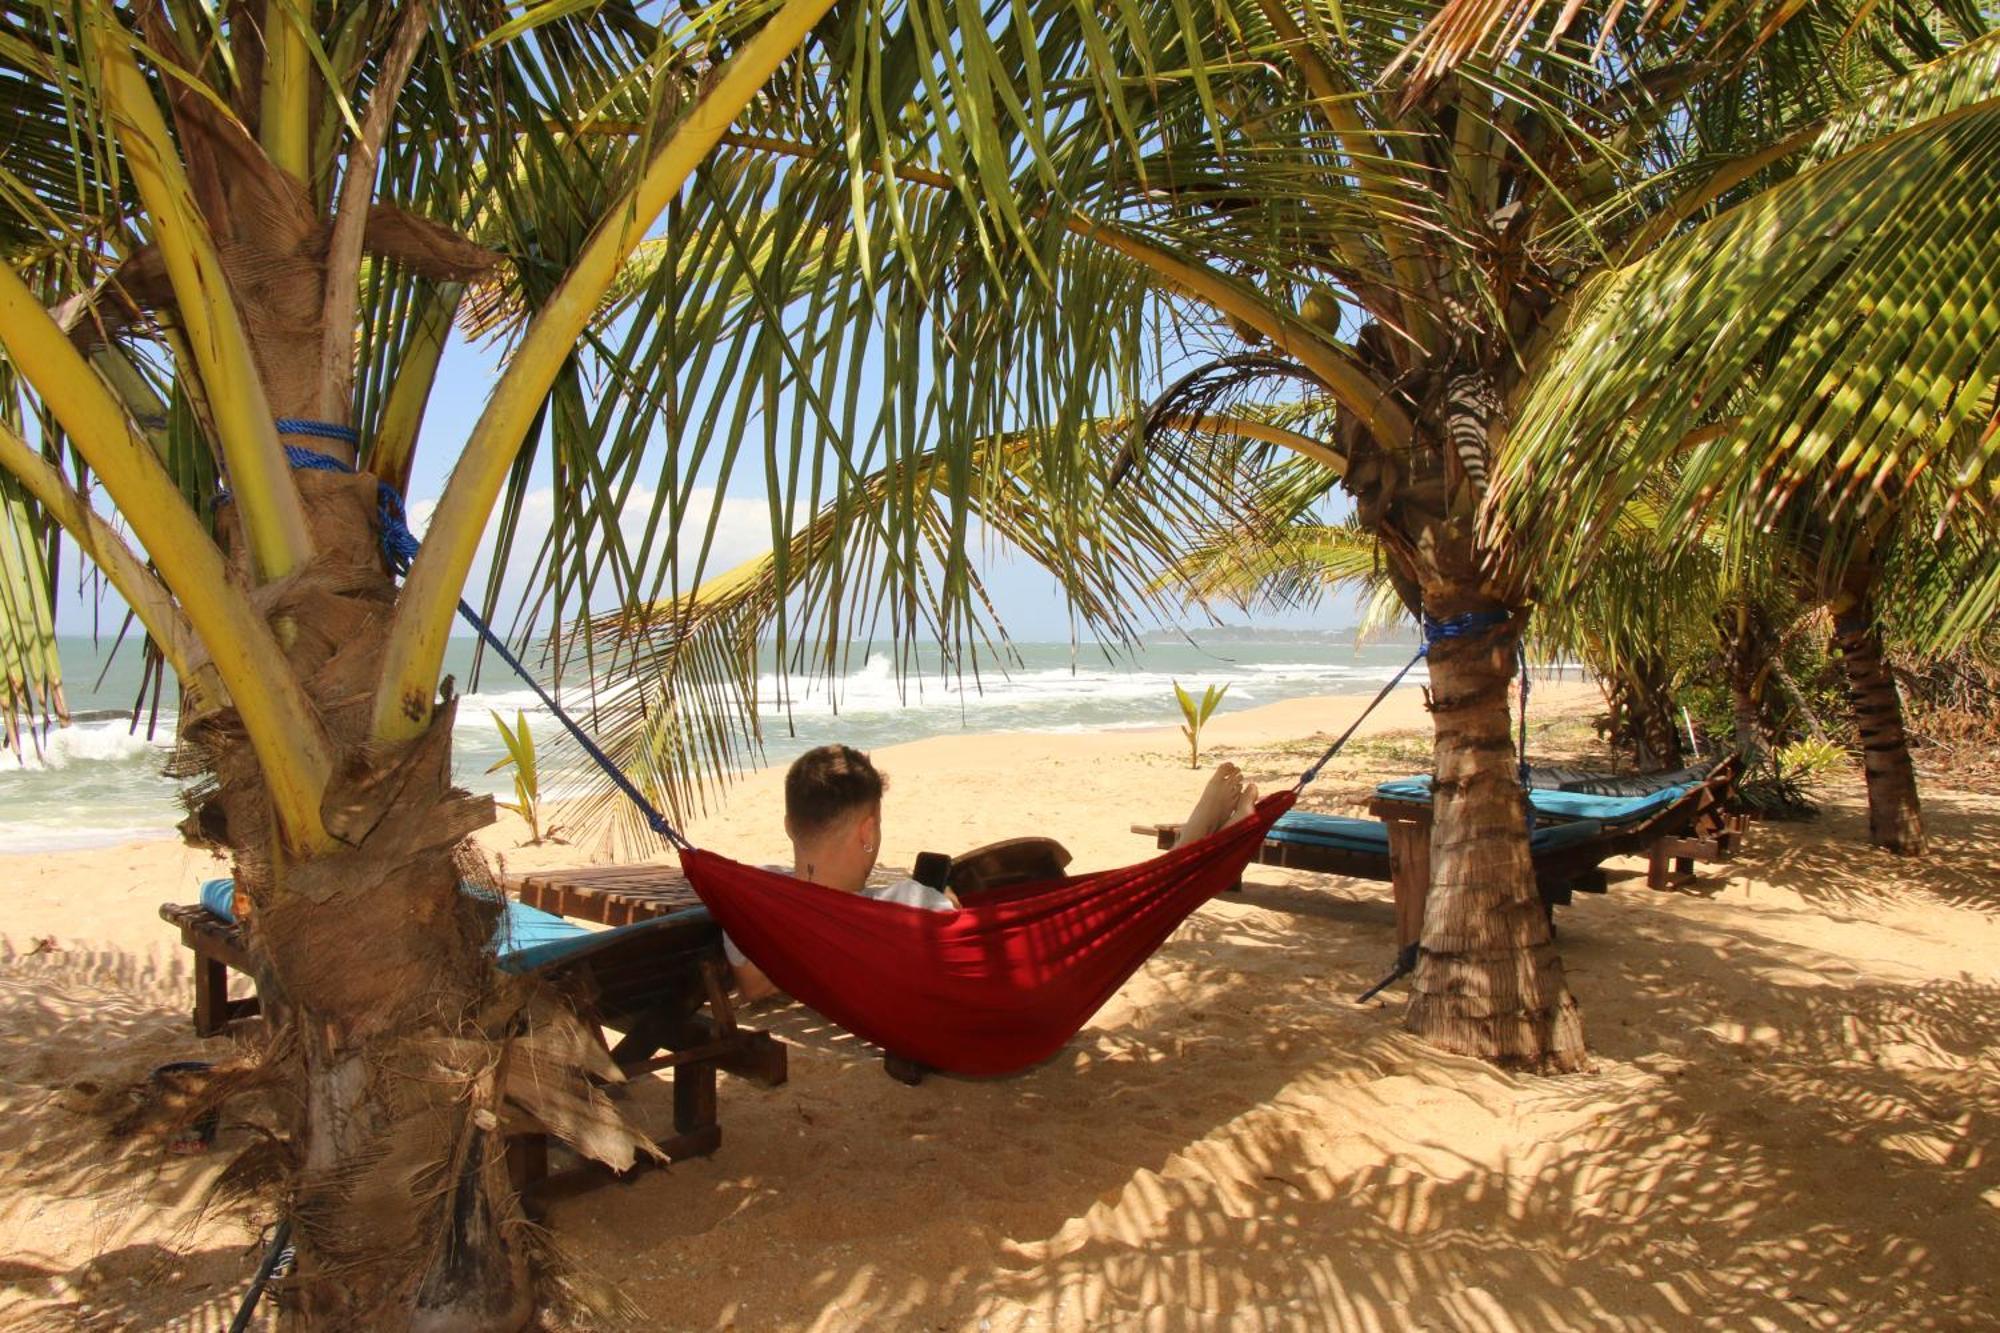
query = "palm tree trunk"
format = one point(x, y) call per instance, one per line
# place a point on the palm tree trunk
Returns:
point(400, 1203)
point(1646, 715)
point(385, 1005)
point(1660, 738)
point(1895, 819)
point(1489, 982)
point(1744, 646)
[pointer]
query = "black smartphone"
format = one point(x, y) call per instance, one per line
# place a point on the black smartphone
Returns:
point(932, 868)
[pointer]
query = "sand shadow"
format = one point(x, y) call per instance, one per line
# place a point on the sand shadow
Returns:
point(1820, 1166)
point(83, 1027)
point(1248, 1147)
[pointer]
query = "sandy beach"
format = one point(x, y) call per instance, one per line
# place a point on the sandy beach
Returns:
point(1791, 1123)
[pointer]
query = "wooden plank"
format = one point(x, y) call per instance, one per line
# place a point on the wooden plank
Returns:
point(1409, 869)
point(609, 895)
point(211, 996)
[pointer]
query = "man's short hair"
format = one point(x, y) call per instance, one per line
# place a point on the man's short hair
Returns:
point(827, 783)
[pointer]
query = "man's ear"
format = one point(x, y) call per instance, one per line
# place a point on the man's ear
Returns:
point(869, 828)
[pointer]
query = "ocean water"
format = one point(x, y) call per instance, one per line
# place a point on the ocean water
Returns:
point(99, 781)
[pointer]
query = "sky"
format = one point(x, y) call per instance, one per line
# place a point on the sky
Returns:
point(1027, 599)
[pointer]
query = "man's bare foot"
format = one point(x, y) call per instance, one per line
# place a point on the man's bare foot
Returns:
point(1214, 809)
point(1246, 804)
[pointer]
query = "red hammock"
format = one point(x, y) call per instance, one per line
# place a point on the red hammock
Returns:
point(992, 988)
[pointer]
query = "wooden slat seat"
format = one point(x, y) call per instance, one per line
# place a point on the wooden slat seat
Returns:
point(662, 984)
point(1696, 826)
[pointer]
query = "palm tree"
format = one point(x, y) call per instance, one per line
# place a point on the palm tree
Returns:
point(246, 228)
point(1515, 183)
point(1848, 417)
point(1403, 261)
point(238, 238)
point(240, 230)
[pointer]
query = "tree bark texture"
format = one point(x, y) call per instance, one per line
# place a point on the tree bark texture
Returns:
point(1747, 647)
point(386, 1005)
point(1895, 818)
point(1642, 715)
point(1489, 981)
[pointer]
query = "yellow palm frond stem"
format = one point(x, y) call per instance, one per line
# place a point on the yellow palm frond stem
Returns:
point(1347, 381)
point(423, 613)
point(274, 520)
point(394, 441)
point(141, 400)
point(284, 120)
point(1249, 428)
point(127, 573)
point(284, 731)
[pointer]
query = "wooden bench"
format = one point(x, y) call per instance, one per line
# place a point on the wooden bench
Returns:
point(218, 949)
point(664, 987)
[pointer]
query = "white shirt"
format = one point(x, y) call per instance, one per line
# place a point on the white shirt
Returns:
point(908, 892)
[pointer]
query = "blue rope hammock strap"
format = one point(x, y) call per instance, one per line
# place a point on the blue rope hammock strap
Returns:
point(400, 547)
point(1435, 632)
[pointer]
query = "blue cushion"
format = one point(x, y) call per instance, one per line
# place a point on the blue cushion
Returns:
point(1406, 789)
point(524, 938)
point(1368, 836)
point(1348, 835)
point(1554, 837)
point(1613, 810)
point(1605, 809)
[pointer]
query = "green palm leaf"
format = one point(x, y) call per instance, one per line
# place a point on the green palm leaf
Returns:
point(1854, 306)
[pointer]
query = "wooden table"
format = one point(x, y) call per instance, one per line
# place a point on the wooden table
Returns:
point(613, 895)
point(695, 1037)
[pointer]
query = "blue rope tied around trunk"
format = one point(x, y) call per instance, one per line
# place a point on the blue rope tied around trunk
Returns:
point(400, 547)
point(1435, 631)
point(324, 430)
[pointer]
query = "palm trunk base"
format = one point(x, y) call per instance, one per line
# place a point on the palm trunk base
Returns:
point(1530, 1022)
point(1489, 981)
point(1895, 820)
point(1895, 817)
point(401, 1212)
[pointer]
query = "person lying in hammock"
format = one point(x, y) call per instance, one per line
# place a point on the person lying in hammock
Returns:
point(833, 815)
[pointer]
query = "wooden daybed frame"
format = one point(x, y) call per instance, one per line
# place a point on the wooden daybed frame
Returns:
point(663, 984)
point(1697, 827)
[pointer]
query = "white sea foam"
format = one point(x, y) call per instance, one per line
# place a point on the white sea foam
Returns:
point(98, 782)
point(41, 835)
point(95, 742)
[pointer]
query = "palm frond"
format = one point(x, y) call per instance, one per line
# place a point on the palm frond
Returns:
point(1855, 305)
point(679, 687)
point(31, 684)
point(1293, 567)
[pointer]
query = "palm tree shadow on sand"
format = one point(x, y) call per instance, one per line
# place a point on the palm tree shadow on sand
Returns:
point(1771, 1136)
point(1774, 1135)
